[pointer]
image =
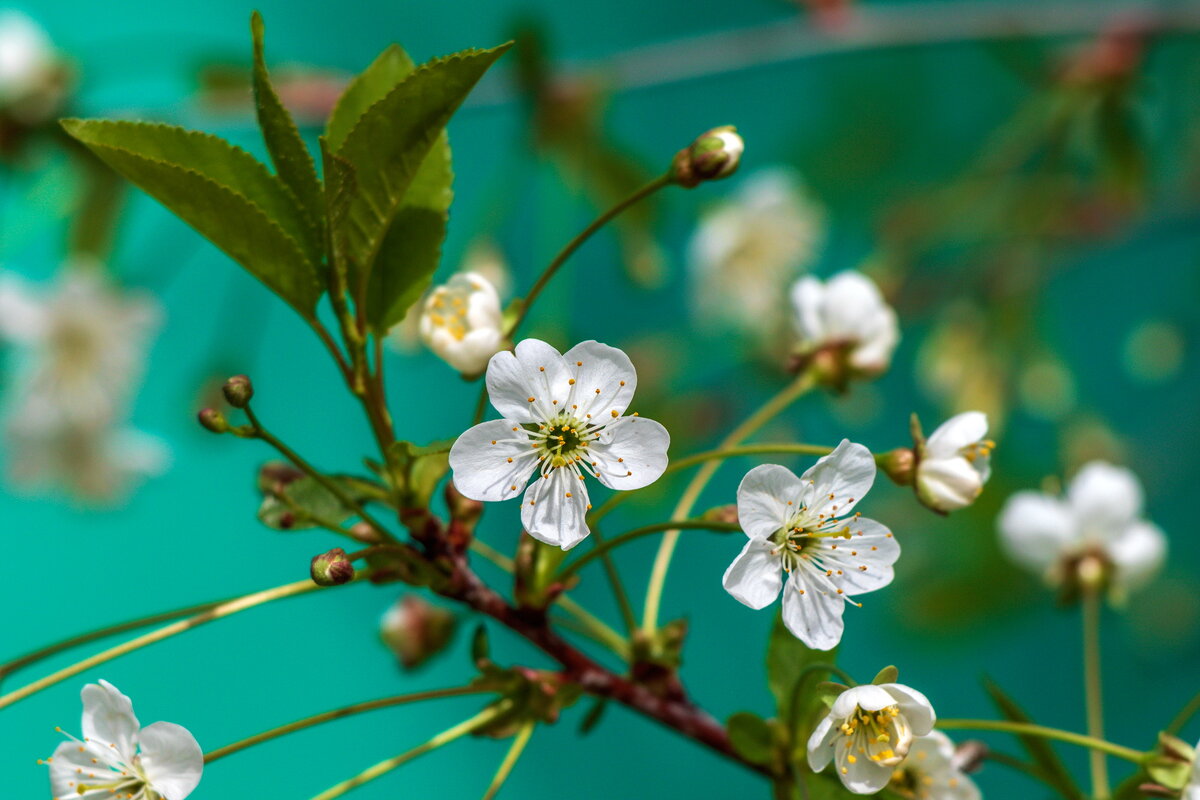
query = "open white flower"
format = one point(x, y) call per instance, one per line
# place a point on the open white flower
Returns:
point(1100, 516)
point(846, 313)
point(563, 417)
point(931, 772)
point(746, 250)
point(462, 322)
point(118, 759)
point(868, 733)
point(954, 462)
point(804, 526)
point(80, 355)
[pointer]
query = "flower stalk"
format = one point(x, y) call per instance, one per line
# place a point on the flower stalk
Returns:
point(1029, 729)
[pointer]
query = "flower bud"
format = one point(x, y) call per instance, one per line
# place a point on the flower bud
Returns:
point(275, 476)
point(462, 322)
point(332, 568)
point(900, 465)
point(969, 756)
point(213, 420)
point(714, 155)
point(366, 533)
point(416, 630)
point(726, 513)
point(238, 391)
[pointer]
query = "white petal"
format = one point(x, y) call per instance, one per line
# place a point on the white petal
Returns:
point(171, 759)
point(598, 366)
point(820, 744)
point(492, 472)
point(1036, 529)
point(949, 484)
point(864, 776)
point(550, 516)
point(852, 555)
point(22, 317)
point(854, 309)
point(108, 718)
point(630, 453)
point(835, 484)
point(1105, 499)
point(767, 496)
point(956, 433)
point(814, 617)
point(915, 707)
point(867, 696)
point(877, 343)
point(808, 299)
point(534, 369)
point(755, 576)
point(1138, 554)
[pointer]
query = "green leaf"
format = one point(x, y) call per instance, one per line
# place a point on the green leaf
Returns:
point(751, 737)
point(593, 717)
point(293, 163)
point(386, 148)
point(368, 87)
point(790, 678)
point(412, 247)
point(222, 192)
point(1039, 749)
point(481, 649)
point(304, 504)
point(888, 674)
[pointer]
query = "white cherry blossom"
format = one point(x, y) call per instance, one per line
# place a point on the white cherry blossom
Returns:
point(807, 528)
point(954, 462)
point(931, 772)
point(846, 313)
point(1192, 790)
point(1101, 516)
point(26, 54)
point(563, 418)
point(462, 322)
point(868, 733)
point(118, 759)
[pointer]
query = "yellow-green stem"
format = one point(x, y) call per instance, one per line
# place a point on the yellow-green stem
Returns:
point(1093, 690)
point(602, 549)
point(666, 548)
point(1027, 729)
point(339, 713)
point(510, 760)
point(223, 610)
point(445, 737)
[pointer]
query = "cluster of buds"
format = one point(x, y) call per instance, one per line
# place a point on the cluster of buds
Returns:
point(238, 391)
point(714, 155)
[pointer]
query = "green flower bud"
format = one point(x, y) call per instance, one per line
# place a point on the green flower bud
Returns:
point(331, 568)
point(714, 155)
point(238, 391)
point(213, 420)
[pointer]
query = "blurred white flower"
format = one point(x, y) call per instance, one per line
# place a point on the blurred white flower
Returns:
point(1192, 790)
point(954, 462)
point(747, 249)
point(564, 417)
point(462, 322)
point(931, 772)
point(804, 527)
point(846, 314)
point(32, 75)
point(1099, 517)
point(868, 733)
point(80, 355)
point(118, 759)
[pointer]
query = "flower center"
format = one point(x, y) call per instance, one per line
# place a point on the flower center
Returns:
point(562, 441)
point(449, 309)
point(799, 539)
point(978, 451)
point(881, 736)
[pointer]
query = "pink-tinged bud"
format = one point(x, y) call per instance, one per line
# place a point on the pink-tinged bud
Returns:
point(213, 420)
point(970, 755)
point(900, 465)
point(275, 476)
point(238, 391)
point(332, 568)
point(366, 533)
point(726, 513)
point(714, 155)
point(415, 630)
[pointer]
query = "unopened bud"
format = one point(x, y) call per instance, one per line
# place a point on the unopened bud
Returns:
point(416, 630)
point(366, 533)
point(726, 513)
point(275, 476)
point(900, 465)
point(714, 155)
point(238, 391)
point(213, 420)
point(332, 568)
point(970, 755)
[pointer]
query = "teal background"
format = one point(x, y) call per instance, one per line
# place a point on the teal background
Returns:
point(191, 535)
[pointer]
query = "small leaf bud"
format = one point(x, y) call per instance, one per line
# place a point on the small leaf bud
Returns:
point(238, 391)
point(213, 420)
point(714, 155)
point(332, 568)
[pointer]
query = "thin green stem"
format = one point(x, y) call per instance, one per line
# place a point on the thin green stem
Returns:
point(510, 760)
point(1094, 691)
point(1184, 715)
point(590, 623)
point(447, 736)
point(1028, 729)
point(338, 713)
point(617, 585)
point(573, 245)
point(15, 664)
point(217, 612)
point(260, 432)
point(666, 548)
point(713, 455)
point(604, 548)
